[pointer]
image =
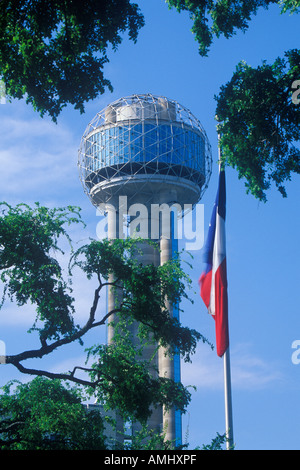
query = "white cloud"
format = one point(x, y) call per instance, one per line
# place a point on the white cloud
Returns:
point(248, 371)
point(36, 157)
point(12, 315)
point(67, 365)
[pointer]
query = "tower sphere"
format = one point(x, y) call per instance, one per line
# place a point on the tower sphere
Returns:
point(145, 147)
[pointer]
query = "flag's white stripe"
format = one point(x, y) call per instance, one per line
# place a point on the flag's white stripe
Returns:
point(219, 254)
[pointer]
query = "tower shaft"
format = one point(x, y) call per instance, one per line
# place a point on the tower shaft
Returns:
point(165, 361)
point(161, 420)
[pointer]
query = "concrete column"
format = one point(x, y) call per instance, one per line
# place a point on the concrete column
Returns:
point(113, 298)
point(166, 362)
point(147, 254)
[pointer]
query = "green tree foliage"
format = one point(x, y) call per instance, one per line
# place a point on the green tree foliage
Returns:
point(146, 439)
point(126, 384)
point(30, 272)
point(259, 123)
point(258, 119)
point(224, 17)
point(54, 51)
point(44, 415)
point(140, 283)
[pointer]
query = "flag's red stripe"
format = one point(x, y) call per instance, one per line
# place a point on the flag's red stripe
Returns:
point(221, 309)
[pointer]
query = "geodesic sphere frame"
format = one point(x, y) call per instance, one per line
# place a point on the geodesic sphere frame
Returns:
point(140, 145)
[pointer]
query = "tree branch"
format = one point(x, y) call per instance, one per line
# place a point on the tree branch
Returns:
point(9, 427)
point(86, 369)
point(54, 375)
point(48, 348)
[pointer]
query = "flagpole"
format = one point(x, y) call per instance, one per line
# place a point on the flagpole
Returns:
point(227, 374)
point(228, 401)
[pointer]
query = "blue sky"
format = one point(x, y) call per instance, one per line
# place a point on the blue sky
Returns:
point(39, 163)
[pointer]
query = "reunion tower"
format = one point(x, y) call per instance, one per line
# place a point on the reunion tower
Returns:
point(141, 151)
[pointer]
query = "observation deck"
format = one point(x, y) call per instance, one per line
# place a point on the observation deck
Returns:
point(142, 145)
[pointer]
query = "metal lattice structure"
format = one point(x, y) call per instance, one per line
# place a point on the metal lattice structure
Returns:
point(143, 144)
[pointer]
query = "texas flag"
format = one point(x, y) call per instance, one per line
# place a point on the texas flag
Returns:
point(213, 281)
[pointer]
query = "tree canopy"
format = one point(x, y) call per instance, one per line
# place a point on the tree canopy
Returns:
point(53, 51)
point(259, 123)
point(258, 119)
point(225, 17)
point(115, 373)
point(45, 415)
